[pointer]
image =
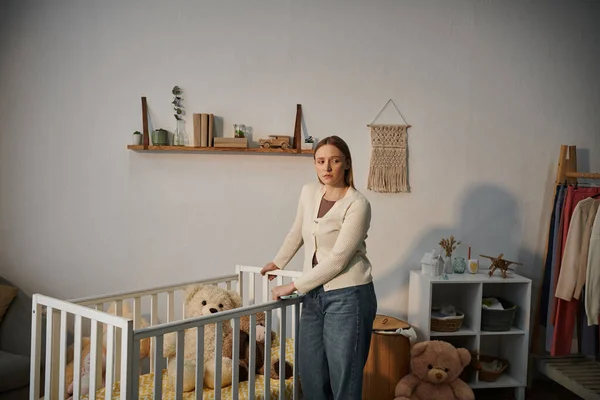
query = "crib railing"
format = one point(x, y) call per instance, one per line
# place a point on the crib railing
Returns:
point(122, 352)
point(57, 312)
point(200, 325)
point(137, 296)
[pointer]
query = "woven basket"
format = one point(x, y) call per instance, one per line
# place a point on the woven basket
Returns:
point(498, 320)
point(491, 376)
point(447, 324)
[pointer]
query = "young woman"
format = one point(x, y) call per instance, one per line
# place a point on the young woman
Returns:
point(340, 304)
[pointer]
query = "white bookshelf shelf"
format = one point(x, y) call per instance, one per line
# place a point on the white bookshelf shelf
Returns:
point(513, 331)
point(465, 292)
point(460, 332)
point(502, 382)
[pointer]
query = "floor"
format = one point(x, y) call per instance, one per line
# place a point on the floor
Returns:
point(541, 389)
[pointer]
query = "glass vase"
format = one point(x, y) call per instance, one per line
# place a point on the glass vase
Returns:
point(179, 136)
point(459, 265)
point(448, 268)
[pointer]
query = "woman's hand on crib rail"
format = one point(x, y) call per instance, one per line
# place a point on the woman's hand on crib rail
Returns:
point(283, 290)
point(269, 267)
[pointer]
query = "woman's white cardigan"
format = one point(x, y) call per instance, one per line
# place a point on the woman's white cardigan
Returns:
point(338, 239)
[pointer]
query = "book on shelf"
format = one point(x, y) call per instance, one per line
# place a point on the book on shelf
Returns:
point(204, 126)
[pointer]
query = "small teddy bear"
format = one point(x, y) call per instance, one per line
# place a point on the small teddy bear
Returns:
point(86, 344)
point(244, 349)
point(85, 377)
point(436, 366)
point(201, 300)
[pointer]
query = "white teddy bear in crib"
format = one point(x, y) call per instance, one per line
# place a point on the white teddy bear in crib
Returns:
point(201, 300)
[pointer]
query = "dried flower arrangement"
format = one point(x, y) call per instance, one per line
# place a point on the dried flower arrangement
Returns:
point(449, 245)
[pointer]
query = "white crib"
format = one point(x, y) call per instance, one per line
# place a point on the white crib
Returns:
point(123, 372)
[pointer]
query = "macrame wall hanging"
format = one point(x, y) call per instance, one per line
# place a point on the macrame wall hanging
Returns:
point(388, 171)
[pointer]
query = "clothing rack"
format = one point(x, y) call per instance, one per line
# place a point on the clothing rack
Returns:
point(575, 372)
point(567, 167)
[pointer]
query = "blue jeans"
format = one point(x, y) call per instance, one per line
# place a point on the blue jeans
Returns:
point(335, 336)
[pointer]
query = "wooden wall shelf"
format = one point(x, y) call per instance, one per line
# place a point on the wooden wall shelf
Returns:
point(290, 152)
point(296, 149)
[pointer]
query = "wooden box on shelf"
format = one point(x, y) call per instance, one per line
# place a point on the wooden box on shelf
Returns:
point(466, 293)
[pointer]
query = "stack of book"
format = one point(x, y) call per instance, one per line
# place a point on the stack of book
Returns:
point(204, 126)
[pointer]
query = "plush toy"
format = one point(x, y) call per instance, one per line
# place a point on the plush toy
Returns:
point(244, 349)
point(86, 345)
point(435, 369)
point(85, 377)
point(201, 300)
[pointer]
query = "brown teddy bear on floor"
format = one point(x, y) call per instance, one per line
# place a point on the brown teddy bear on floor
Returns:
point(201, 300)
point(436, 366)
point(244, 349)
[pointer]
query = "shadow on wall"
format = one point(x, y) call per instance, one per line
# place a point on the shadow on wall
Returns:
point(488, 219)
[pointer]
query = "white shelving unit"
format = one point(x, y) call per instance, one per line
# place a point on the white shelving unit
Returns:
point(465, 292)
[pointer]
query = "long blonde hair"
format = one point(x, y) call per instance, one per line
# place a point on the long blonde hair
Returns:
point(342, 146)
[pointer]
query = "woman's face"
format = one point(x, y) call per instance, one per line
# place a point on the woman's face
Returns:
point(331, 165)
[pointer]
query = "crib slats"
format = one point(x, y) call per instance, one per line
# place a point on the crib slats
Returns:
point(153, 322)
point(95, 358)
point(157, 367)
point(200, 363)
point(240, 283)
point(236, 359)
point(266, 291)
point(110, 358)
point(77, 359)
point(52, 342)
point(279, 283)
point(118, 343)
point(268, 325)
point(137, 312)
point(170, 306)
point(218, 358)
point(295, 335)
point(135, 367)
point(36, 349)
point(179, 365)
point(252, 366)
point(282, 337)
point(127, 375)
point(63, 355)
point(137, 318)
point(252, 295)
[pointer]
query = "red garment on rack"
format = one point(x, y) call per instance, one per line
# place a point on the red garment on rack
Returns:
point(566, 311)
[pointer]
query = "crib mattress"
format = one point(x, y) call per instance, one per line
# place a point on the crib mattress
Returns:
point(147, 384)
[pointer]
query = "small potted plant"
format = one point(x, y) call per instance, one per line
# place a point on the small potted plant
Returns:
point(308, 144)
point(160, 137)
point(137, 138)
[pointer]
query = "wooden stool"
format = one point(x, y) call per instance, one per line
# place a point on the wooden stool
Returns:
point(389, 359)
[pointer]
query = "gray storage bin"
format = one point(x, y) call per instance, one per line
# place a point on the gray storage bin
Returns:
point(498, 320)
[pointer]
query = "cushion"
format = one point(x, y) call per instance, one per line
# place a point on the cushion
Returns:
point(14, 371)
point(7, 295)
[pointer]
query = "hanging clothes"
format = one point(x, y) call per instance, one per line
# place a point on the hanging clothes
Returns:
point(575, 255)
point(553, 254)
point(575, 217)
point(592, 296)
point(552, 229)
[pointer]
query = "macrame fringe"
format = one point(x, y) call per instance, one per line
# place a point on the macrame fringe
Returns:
point(387, 180)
